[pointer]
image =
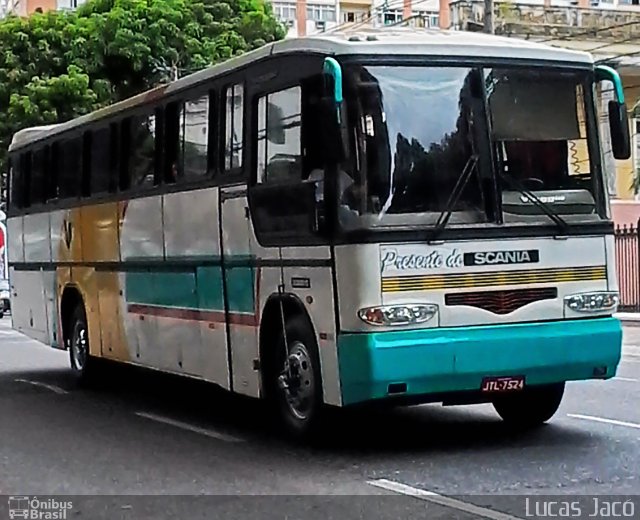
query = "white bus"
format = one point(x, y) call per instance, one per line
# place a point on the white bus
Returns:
point(396, 215)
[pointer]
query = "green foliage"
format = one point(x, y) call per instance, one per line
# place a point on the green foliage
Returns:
point(58, 65)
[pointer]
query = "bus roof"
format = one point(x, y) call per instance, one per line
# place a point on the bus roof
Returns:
point(363, 41)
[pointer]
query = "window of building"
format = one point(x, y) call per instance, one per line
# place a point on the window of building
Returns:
point(321, 13)
point(233, 128)
point(279, 151)
point(390, 16)
point(284, 12)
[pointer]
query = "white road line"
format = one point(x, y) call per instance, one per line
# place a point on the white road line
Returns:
point(603, 420)
point(630, 379)
point(430, 496)
point(53, 388)
point(189, 427)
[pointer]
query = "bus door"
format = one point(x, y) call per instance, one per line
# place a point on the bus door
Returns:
point(240, 275)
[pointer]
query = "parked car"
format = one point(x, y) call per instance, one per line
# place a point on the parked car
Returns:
point(5, 301)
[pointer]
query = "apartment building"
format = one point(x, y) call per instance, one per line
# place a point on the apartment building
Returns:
point(27, 7)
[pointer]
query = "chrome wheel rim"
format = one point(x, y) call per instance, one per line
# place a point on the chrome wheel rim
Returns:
point(296, 381)
point(79, 346)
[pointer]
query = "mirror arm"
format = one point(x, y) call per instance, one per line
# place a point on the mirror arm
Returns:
point(333, 69)
point(606, 73)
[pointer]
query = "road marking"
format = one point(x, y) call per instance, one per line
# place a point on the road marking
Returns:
point(53, 388)
point(603, 420)
point(189, 427)
point(630, 379)
point(430, 496)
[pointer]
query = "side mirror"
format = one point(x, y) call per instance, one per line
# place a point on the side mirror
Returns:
point(618, 119)
point(619, 128)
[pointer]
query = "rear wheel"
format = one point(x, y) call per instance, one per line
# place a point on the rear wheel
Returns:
point(82, 363)
point(530, 408)
point(294, 386)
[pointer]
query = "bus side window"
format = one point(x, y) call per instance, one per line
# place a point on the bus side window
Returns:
point(233, 142)
point(143, 151)
point(25, 179)
point(279, 151)
point(194, 137)
point(38, 175)
point(70, 173)
point(53, 173)
point(100, 171)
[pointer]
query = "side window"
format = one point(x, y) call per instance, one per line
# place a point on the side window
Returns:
point(39, 171)
point(100, 172)
point(194, 137)
point(233, 144)
point(142, 150)
point(279, 146)
point(70, 171)
point(25, 178)
point(17, 182)
point(53, 186)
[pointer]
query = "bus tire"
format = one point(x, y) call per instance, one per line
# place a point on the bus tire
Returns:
point(296, 399)
point(82, 363)
point(531, 408)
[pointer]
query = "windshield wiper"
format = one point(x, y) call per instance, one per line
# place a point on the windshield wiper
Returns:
point(516, 185)
point(445, 215)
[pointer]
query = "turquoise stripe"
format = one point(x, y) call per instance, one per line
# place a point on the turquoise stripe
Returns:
point(196, 289)
point(456, 359)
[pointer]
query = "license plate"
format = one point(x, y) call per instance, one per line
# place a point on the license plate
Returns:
point(502, 384)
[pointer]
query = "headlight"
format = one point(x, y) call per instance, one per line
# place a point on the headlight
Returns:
point(398, 314)
point(592, 301)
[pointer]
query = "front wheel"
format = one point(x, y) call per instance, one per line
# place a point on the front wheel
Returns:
point(294, 382)
point(530, 408)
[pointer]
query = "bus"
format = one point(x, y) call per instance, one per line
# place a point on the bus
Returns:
point(392, 216)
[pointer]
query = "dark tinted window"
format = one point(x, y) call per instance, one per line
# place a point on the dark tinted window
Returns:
point(233, 127)
point(70, 173)
point(279, 150)
point(194, 137)
point(53, 187)
point(39, 172)
point(142, 150)
point(100, 161)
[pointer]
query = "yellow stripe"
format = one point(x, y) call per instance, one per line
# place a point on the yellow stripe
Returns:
point(465, 280)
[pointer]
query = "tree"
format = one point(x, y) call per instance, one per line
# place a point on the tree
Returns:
point(58, 65)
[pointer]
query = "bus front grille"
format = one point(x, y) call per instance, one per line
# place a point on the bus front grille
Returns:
point(501, 302)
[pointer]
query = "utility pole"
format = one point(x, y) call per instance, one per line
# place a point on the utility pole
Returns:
point(488, 16)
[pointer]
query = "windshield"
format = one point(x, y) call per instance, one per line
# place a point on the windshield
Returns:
point(540, 139)
point(413, 135)
point(415, 132)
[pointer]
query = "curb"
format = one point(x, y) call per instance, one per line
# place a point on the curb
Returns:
point(629, 318)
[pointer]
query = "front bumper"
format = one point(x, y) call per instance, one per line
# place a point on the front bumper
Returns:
point(449, 360)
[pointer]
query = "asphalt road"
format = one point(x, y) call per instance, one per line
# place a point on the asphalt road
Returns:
point(140, 433)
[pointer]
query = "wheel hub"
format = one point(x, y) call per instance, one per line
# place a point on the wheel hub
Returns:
point(79, 346)
point(296, 380)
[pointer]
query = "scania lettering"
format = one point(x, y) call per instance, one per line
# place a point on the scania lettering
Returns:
point(333, 220)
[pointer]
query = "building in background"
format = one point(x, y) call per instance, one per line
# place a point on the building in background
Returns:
point(28, 7)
